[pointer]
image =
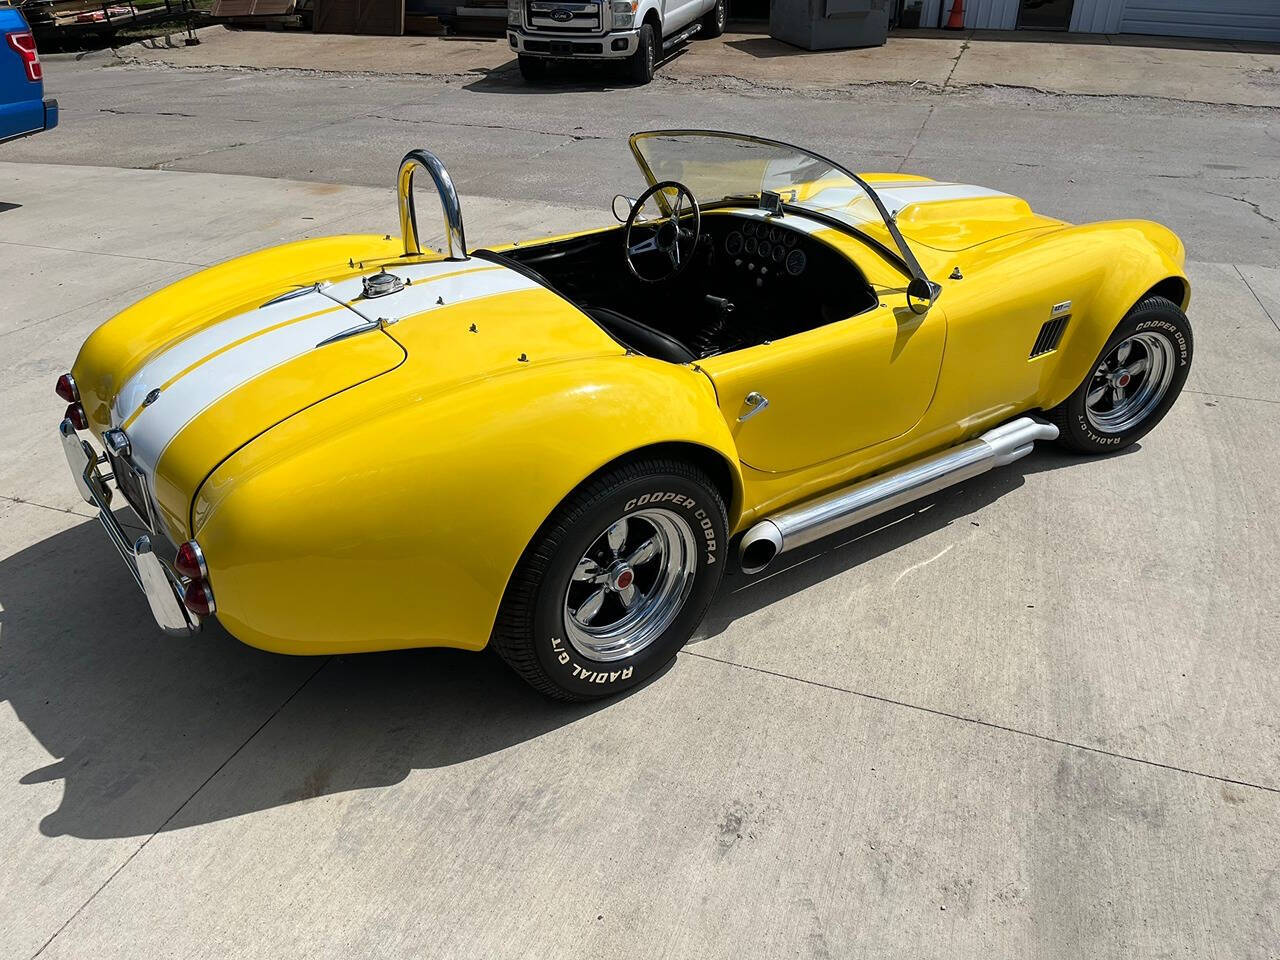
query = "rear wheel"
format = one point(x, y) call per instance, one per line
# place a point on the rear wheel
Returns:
point(1133, 383)
point(641, 63)
point(713, 23)
point(615, 581)
point(533, 69)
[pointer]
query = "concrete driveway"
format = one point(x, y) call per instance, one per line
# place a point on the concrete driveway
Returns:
point(1035, 716)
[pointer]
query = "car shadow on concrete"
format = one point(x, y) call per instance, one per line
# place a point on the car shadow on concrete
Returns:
point(138, 721)
point(563, 77)
point(743, 594)
point(154, 733)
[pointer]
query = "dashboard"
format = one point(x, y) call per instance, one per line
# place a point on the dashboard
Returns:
point(765, 247)
point(763, 279)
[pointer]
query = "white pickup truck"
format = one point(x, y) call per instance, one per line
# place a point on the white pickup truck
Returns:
point(637, 32)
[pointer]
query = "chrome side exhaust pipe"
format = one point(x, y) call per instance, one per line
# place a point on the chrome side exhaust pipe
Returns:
point(862, 501)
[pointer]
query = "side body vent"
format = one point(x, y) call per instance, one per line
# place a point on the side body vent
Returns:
point(1050, 334)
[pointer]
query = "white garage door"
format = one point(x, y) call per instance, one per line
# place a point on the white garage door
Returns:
point(1222, 19)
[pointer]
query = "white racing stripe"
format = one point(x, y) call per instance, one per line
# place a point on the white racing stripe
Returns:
point(897, 195)
point(184, 399)
point(200, 370)
point(842, 203)
point(163, 367)
point(160, 369)
point(465, 281)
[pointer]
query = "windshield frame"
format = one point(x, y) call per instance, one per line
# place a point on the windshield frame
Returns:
point(905, 254)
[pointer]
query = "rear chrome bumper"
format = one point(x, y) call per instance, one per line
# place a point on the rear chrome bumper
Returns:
point(161, 585)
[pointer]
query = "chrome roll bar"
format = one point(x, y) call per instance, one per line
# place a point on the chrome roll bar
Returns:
point(454, 241)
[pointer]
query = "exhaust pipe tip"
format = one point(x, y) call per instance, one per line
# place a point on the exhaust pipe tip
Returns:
point(759, 546)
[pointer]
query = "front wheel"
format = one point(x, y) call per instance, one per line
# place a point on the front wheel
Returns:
point(615, 581)
point(713, 23)
point(1133, 383)
point(641, 63)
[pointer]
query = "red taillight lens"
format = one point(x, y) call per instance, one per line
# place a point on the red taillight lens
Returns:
point(75, 413)
point(67, 388)
point(25, 44)
point(198, 598)
point(190, 561)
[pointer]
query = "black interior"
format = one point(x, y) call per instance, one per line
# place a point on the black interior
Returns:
point(751, 280)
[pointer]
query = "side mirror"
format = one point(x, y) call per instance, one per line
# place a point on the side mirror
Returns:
point(921, 294)
point(622, 207)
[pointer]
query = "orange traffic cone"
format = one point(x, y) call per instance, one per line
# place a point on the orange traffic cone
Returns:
point(956, 20)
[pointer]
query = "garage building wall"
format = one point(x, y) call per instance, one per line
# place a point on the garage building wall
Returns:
point(1097, 16)
point(1214, 19)
point(1221, 19)
point(978, 14)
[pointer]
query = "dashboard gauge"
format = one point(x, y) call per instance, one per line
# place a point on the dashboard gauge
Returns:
point(791, 239)
point(750, 245)
point(749, 229)
point(796, 262)
point(764, 248)
point(733, 243)
point(775, 235)
point(779, 253)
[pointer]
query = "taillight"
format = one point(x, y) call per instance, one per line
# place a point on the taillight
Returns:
point(25, 44)
point(198, 598)
point(190, 561)
point(67, 388)
point(75, 413)
point(198, 595)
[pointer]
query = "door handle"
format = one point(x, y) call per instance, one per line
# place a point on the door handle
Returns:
point(757, 402)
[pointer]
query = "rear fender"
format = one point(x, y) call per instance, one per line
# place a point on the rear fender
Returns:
point(345, 528)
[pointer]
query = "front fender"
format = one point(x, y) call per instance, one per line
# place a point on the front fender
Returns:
point(1132, 257)
point(349, 528)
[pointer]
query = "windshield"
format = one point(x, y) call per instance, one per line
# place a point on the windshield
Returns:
point(718, 166)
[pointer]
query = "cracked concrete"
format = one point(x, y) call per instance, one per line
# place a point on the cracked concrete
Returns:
point(1257, 209)
point(935, 60)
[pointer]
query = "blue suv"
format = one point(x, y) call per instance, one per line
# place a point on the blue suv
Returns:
point(24, 109)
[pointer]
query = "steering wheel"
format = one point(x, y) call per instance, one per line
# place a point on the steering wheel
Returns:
point(665, 245)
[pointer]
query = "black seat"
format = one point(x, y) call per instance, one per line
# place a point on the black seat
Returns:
point(641, 337)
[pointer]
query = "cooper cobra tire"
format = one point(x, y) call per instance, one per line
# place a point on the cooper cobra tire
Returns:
point(641, 63)
point(1133, 382)
point(713, 23)
point(667, 521)
point(533, 69)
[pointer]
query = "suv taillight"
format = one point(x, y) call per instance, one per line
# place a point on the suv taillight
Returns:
point(25, 44)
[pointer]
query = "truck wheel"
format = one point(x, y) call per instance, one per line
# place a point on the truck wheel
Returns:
point(640, 65)
point(533, 69)
point(615, 581)
point(1133, 383)
point(713, 23)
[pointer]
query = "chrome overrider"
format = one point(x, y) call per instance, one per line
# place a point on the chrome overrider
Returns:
point(455, 242)
point(816, 519)
point(161, 585)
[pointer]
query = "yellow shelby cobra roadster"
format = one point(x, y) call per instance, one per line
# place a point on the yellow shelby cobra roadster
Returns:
point(557, 447)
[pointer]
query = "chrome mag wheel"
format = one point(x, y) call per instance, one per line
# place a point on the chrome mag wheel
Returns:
point(1130, 382)
point(630, 585)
